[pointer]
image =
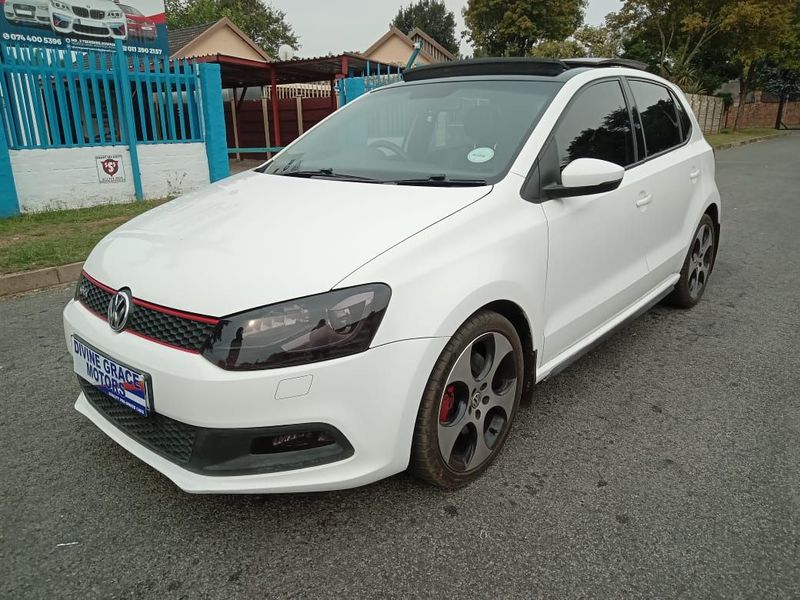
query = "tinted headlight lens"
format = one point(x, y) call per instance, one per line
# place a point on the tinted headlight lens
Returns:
point(300, 331)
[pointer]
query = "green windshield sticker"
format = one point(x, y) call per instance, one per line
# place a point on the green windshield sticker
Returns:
point(480, 155)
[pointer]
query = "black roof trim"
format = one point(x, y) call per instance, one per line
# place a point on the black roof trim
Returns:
point(548, 67)
point(574, 63)
point(487, 66)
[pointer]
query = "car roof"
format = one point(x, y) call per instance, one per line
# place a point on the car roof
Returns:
point(558, 69)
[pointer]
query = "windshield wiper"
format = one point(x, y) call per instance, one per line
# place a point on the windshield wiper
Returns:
point(328, 173)
point(439, 180)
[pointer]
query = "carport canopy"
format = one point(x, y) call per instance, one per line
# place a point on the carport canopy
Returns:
point(239, 73)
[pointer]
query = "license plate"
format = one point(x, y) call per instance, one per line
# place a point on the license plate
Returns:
point(24, 12)
point(115, 379)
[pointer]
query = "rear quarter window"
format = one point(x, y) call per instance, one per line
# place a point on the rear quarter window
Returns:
point(683, 117)
point(658, 114)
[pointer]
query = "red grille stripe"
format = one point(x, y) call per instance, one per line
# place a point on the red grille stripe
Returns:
point(98, 284)
point(176, 313)
point(156, 307)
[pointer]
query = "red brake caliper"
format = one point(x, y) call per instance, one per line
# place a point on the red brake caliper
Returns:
point(448, 401)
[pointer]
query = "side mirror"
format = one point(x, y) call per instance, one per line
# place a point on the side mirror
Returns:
point(586, 176)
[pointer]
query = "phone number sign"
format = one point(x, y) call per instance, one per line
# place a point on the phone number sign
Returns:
point(86, 24)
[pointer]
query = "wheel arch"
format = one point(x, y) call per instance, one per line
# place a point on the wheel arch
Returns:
point(516, 315)
point(713, 212)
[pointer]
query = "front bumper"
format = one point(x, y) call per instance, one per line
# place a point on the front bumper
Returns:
point(371, 398)
point(92, 28)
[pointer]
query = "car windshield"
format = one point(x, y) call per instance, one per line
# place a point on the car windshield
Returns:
point(129, 10)
point(460, 132)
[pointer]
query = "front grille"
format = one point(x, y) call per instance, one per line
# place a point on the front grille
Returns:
point(89, 29)
point(80, 11)
point(170, 329)
point(160, 325)
point(169, 438)
point(97, 14)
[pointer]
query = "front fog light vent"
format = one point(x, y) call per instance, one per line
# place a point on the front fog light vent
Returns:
point(289, 442)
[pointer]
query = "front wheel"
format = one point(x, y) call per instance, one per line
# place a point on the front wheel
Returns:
point(469, 403)
point(696, 267)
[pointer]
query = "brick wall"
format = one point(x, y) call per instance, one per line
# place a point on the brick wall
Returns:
point(763, 114)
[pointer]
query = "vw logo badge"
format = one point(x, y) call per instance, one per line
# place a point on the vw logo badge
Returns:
point(119, 310)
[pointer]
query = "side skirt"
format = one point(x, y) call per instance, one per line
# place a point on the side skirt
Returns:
point(570, 355)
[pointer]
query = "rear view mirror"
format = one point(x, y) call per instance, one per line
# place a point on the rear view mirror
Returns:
point(585, 176)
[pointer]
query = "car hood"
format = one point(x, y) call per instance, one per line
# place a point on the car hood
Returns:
point(255, 239)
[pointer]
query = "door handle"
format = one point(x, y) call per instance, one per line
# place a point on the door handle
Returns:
point(644, 199)
point(694, 174)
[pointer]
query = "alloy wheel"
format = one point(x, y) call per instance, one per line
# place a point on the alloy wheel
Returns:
point(477, 402)
point(700, 260)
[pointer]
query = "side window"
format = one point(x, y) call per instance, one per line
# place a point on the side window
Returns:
point(596, 125)
point(686, 122)
point(659, 116)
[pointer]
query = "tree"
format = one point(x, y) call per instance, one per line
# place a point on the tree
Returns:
point(515, 27)
point(697, 43)
point(600, 42)
point(779, 73)
point(761, 27)
point(433, 18)
point(672, 31)
point(265, 25)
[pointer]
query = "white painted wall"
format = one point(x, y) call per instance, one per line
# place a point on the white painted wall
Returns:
point(58, 178)
point(172, 169)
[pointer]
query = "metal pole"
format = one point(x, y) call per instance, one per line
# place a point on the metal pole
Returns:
point(275, 111)
point(130, 125)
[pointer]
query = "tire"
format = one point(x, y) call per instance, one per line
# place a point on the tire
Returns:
point(697, 266)
point(465, 410)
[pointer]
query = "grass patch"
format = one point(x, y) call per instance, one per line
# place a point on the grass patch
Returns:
point(726, 136)
point(60, 237)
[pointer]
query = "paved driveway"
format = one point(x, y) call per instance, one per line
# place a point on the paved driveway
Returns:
point(664, 464)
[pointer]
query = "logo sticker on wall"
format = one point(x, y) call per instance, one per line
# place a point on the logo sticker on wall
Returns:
point(109, 168)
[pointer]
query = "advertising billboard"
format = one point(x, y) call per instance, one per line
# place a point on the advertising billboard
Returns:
point(86, 24)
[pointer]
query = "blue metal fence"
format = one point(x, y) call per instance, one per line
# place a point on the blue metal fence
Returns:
point(51, 98)
point(376, 75)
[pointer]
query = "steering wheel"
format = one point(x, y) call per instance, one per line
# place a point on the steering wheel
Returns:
point(390, 146)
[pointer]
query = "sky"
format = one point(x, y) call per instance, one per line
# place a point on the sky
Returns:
point(336, 26)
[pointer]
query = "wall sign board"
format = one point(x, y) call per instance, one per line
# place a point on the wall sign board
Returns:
point(86, 24)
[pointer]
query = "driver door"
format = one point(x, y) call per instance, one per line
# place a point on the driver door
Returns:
point(596, 264)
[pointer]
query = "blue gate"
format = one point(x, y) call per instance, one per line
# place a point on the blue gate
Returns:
point(51, 98)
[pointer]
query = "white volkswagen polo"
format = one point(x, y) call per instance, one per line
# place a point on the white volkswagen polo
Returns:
point(381, 293)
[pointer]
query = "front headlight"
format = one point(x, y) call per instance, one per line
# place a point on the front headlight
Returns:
point(114, 14)
point(59, 5)
point(301, 331)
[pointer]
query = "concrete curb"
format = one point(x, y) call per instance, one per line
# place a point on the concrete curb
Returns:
point(752, 140)
point(27, 281)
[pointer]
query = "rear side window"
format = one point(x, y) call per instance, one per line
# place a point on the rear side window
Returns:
point(596, 125)
point(683, 116)
point(658, 114)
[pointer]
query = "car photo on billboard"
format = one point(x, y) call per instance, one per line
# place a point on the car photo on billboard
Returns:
point(86, 24)
point(92, 18)
point(139, 26)
point(34, 12)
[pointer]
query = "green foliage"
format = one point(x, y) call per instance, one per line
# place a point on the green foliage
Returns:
point(60, 237)
point(265, 25)
point(727, 99)
point(674, 32)
point(516, 27)
point(433, 18)
point(585, 41)
point(559, 49)
point(779, 72)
